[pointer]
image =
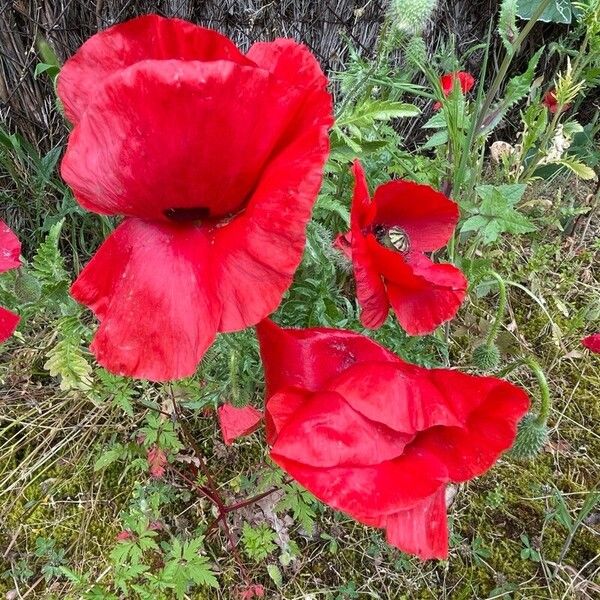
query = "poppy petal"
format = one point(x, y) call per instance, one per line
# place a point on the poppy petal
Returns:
point(592, 342)
point(10, 249)
point(327, 432)
point(399, 395)
point(144, 38)
point(421, 530)
point(8, 323)
point(494, 407)
point(426, 215)
point(367, 493)
point(261, 249)
point(310, 358)
point(343, 243)
point(150, 285)
point(237, 422)
point(280, 407)
point(370, 289)
point(428, 297)
point(168, 139)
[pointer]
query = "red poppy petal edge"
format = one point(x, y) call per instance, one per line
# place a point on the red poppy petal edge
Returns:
point(236, 422)
point(10, 249)
point(592, 342)
point(150, 285)
point(310, 358)
point(124, 44)
point(8, 324)
point(260, 250)
point(423, 529)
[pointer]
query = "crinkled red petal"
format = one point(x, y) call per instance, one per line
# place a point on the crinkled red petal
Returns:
point(179, 140)
point(8, 323)
point(592, 342)
point(421, 530)
point(237, 422)
point(426, 215)
point(310, 358)
point(370, 289)
point(261, 249)
point(10, 249)
point(148, 37)
point(151, 287)
point(326, 431)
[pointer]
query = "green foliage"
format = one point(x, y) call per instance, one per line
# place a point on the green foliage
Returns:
point(559, 11)
point(160, 432)
point(497, 213)
point(258, 541)
point(66, 358)
point(507, 23)
point(301, 504)
point(48, 266)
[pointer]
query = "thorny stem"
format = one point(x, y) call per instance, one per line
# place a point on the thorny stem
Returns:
point(500, 312)
point(534, 366)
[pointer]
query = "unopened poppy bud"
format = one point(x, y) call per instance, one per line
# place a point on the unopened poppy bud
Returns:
point(27, 287)
point(486, 357)
point(411, 16)
point(416, 51)
point(531, 438)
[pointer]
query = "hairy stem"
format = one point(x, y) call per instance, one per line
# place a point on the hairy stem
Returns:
point(501, 310)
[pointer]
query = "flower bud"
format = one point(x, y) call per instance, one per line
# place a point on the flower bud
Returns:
point(531, 438)
point(27, 288)
point(486, 357)
point(411, 16)
point(416, 51)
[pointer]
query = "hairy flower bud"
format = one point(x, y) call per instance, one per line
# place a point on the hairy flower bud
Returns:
point(486, 357)
point(27, 288)
point(411, 16)
point(531, 438)
point(416, 51)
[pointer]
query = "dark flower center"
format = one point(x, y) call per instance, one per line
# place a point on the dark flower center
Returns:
point(394, 238)
point(194, 213)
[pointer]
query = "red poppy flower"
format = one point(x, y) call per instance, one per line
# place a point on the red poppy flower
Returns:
point(237, 422)
point(10, 249)
point(466, 81)
point(389, 236)
point(592, 342)
point(378, 438)
point(215, 159)
point(551, 103)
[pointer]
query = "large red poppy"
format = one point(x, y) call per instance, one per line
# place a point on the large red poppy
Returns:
point(465, 80)
point(379, 438)
point(418, 219)
point(215, 159)
point(10, 250)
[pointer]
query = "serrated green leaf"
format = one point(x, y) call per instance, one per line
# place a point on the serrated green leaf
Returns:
point(275, 574)
point(582, 171)
point(109, 457)
point(437, 139)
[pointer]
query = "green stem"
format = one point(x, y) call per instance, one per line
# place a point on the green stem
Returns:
point(233, 377)
point(508, 58)
point(534, 366)
point(545, 402)
point(500, 312)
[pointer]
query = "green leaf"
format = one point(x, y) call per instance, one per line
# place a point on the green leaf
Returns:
point(437, 139)
point(275, 574)
point(366, 113)
point(582, 171)
point(40, 68)
point(109, 457)
point(497, 213)
point(559, 11)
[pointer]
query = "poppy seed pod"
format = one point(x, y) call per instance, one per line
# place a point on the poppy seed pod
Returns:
point(486, 357)
point(411, 16)
point(531, 438)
